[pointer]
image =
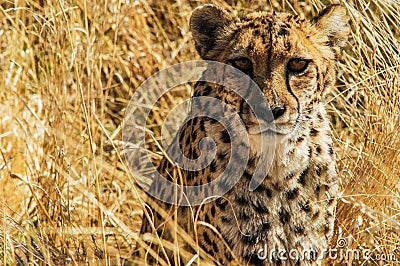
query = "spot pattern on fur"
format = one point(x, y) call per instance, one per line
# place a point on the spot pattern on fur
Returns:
point(292, 61)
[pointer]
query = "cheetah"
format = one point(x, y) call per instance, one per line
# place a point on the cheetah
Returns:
point(291, 211)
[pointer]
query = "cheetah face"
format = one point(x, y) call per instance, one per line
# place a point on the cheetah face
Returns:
point(289, 58)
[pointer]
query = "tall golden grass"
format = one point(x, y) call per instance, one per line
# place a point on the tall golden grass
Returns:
point(68, 70)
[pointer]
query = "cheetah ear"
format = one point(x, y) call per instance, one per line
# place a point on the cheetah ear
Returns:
point(333, 22)
point(207, 23)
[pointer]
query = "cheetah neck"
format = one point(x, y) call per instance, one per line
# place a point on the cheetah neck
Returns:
point(296, 194)
point(285, 155)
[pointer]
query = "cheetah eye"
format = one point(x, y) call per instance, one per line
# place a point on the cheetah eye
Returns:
point(243, 64)
point(297, 65)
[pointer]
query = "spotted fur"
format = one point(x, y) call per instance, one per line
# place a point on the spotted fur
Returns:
point(293, 62)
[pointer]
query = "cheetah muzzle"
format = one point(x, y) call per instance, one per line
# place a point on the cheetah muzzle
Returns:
point(293, 63)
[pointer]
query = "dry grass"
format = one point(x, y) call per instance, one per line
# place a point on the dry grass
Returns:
point(68, 69)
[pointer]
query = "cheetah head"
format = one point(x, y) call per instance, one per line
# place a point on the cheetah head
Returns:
point(290, 59)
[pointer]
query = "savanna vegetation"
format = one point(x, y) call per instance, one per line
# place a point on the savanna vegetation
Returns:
point(67, 72)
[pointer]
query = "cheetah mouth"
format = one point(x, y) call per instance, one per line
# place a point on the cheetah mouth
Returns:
point(269, 130)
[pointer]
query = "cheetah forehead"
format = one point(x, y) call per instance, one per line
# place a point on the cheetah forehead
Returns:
point(270, 20)
point(272, 26)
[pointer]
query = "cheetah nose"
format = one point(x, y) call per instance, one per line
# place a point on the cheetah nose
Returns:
point(278, 111)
